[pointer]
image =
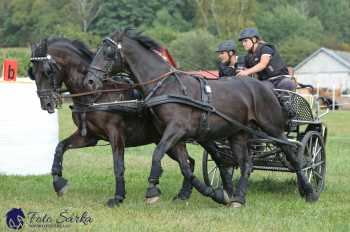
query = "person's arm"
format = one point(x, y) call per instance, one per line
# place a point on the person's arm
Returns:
point(264, 61)
point(225, 70)
point(265, 58)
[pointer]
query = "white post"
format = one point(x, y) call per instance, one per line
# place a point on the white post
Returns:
point(333, 98)
point(317, 97)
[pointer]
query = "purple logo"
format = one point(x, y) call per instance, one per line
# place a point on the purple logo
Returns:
point(15, 218)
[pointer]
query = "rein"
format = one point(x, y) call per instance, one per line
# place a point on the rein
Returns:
point(133, 86)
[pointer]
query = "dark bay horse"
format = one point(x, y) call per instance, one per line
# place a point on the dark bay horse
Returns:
point(58, 60)
point(245, 100)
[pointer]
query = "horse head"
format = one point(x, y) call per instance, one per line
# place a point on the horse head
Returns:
point(43, 70)
point(128, 52)
point(54, 61)
point(108, 59)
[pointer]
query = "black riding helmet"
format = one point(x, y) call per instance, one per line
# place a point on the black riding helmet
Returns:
point(248, 33)
point(228, 45)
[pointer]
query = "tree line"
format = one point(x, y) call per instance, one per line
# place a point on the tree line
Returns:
point(191, 29)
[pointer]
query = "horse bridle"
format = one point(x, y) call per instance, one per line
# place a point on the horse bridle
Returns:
point(50, 68)
point(107, 68)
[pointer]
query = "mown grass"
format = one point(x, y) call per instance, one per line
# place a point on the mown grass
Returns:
point(273, 202)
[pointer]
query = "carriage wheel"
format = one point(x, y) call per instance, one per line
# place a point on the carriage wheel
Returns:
point(211, 173)
point(315, 156)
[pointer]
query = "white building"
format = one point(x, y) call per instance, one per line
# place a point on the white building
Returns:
point(326, 68)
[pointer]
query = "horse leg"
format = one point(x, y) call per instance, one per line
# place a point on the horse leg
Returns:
point(186, 189)
point(117, 143)
point(171, 136)
point(218, 195)
point(74, 141)
point(295, 159)
point(244, 159)
point(225, 172)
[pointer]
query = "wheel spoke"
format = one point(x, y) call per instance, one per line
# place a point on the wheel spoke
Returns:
point(315, 165)
point(318, 151)
point(310, 175)
point(218, 183)
point(318, 175)
point(309, 145)
point(212, 170)
point(314, 150)
point(212, 180)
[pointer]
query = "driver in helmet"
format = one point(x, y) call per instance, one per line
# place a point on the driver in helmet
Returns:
point(264, 61)
point(227, 56)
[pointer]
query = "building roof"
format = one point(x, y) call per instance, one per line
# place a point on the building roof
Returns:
point(344, 55)
point(341, 56)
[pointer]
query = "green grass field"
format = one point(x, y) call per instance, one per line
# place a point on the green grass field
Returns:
point(273, 202)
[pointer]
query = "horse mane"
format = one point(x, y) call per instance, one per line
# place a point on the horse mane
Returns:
point(83, 48)
point(144, 40)
point(76, 46)
point(147, 42)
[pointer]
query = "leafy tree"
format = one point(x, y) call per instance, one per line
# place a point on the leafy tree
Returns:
point(297, 27)
point(129, 13)
point(334, 15)
point(16, 22)
point(167, 26)
point(287, 21)
point(73, 31)
point(227, 17)
point(331, 13)
point(85, 11)
point(30, 21)
point(194, 50)
point(295, 49)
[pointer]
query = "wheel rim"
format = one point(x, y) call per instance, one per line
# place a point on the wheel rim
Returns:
point(314, 155)
point(213, 174)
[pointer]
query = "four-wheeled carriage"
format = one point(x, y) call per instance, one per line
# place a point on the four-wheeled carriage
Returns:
point(305, 127)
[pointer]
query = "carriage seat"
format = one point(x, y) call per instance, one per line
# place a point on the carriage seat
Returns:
point(298, 104)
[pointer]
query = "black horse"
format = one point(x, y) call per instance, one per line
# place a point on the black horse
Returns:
point(237, 104)
point(58, 60)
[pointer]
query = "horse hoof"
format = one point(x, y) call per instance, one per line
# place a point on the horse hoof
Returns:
point(181, 198)
point(235, 205)
point(312, 197)
point(60, 185)
point(62, 191)
point(152, 192)
point(152, 200)
point(111, 203)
